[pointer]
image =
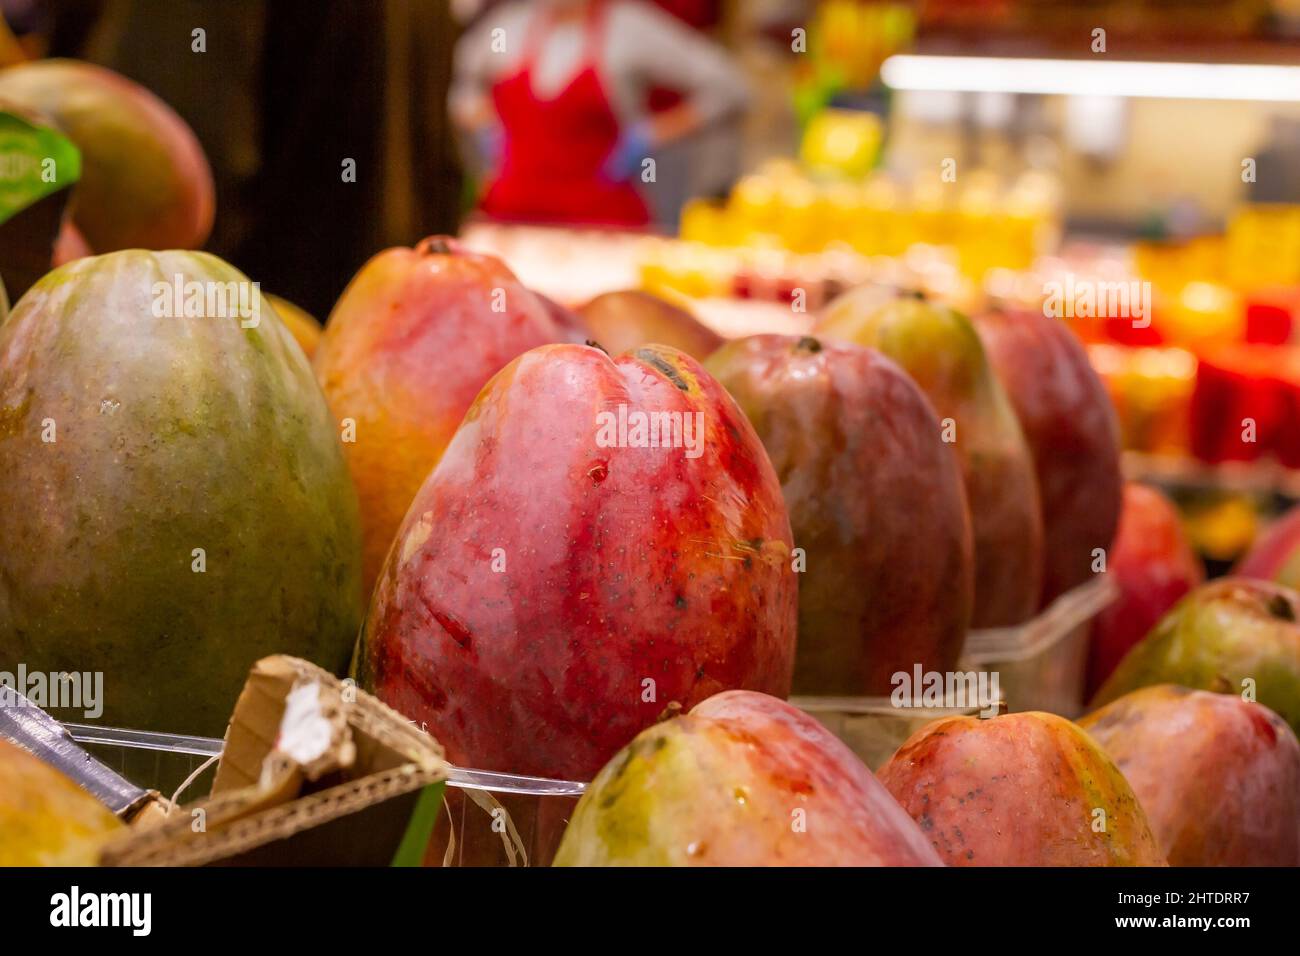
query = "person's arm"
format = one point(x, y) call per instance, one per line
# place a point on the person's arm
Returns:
point(480, 62)
point(666, 52)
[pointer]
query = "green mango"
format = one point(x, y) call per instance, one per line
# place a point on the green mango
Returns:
point(1232, 636)
point(175, 501)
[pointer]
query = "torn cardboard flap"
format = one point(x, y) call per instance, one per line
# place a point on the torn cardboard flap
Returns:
point(314, 772)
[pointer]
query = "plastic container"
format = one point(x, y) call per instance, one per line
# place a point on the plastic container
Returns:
point(874, 727)
point(473, 830)
point(1041, 664)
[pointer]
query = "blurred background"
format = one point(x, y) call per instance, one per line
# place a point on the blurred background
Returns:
point(755, 159)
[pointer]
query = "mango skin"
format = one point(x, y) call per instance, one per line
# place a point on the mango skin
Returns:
point(1073, 435)
point(876, 503)
point(1018, 790)
point(625, 320)
point(45, 818)
point(939, 349)
point(615, 566)
point(414, 337)
point(1223, 633)
point(1153, 564)
point(1218, 776)
point(145, 182)
point(302, 325)
point(724, 786)
point(1275, 555)
point(171, 434)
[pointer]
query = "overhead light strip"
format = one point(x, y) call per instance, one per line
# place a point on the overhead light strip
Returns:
point(1096, 77)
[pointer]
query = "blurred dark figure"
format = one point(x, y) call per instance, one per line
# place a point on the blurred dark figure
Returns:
point(285, 93)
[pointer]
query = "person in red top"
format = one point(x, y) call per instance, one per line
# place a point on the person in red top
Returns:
point(555, 92)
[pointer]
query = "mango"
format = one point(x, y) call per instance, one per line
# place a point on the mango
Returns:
point(742, 780)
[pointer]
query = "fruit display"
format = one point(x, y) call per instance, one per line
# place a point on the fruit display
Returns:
point(743, 779)
point(1027, 789)
point(176, 500)
point(844, 514)
point(939, 348)
point(1219, 777)
point(876, 504)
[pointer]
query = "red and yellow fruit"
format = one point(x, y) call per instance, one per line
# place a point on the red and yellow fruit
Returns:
point(415, 336)
point(1231, 636)
point(1275, 556)
point(1027, 789)
point(742, 780)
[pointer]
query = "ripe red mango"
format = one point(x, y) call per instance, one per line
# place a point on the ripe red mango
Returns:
point(742, 780)
point(1072, 432)
point(1218, 776)
point(939, 348)
point(1153, 565)
point(1275, 556)
point(876, 504)
point(556, 584)
point(412, 340)
point(1026, 789)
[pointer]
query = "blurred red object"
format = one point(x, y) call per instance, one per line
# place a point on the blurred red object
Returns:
point(1153, 564)
point(1246, 404)
point(1267, 323)
point(1123, 331)
point(701, 14)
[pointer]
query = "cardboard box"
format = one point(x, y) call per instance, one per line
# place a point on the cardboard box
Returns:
point(315, 772)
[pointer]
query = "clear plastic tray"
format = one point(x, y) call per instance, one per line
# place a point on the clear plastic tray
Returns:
point(1042, 663)
point(490, 819)
point(873, 727)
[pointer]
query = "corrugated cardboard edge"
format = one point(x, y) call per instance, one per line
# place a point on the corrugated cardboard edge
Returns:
point(173, 843)
point(264, 692)
point(166, 845)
